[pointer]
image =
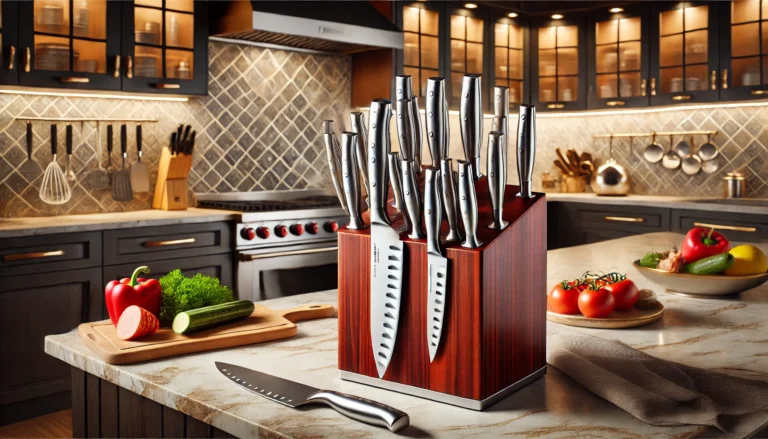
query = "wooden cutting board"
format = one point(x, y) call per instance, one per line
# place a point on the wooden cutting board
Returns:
point(264, 324)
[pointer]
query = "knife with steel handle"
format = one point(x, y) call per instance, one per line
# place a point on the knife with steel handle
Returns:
point(417, 133)
point(331, 153)
point(526, 148)
point(357, 123)
point(395, 179)
point(471, 120)
point(403, 120)
point(351, 180)
point(413, 203)
point(292, 394)
point(387, 252)
point(437, 263)
point(468, 205)
point(501, 120)
point(436, 121)
point(448, 185)
point(497, 178)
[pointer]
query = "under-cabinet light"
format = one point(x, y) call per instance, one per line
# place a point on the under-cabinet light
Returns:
point(512, 15)
point(616, 10)
point(470, 5)
point(557, 16)
point(95, 95)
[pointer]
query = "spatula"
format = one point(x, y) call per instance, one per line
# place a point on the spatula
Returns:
point(121, 179)
point(30, 169)
point(139, 171)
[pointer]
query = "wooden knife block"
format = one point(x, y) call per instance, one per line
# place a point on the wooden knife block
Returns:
point(494, 333)
point(172, 188)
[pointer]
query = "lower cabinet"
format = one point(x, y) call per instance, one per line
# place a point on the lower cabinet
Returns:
point(33, 383)
point(737, 227)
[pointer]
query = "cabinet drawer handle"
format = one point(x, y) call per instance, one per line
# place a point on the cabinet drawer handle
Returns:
point(725, 79)
point(167, 243)
point(653, 86)
point(724, 227)
point(681, 97)
point(247, 257)
point(759, 92)
point(12, 58)
point(615, 103)
point(74, 80)
point(163, 86)
point(643, 87)
point(116, 74)
point(129, 67)
point(27, 59)
point(625, 219)
point(555, 106)
point(36, 255)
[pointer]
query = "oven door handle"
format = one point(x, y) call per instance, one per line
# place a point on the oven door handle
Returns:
point(248, 257)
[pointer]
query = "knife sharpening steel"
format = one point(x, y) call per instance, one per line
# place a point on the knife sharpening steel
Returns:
point(494, 331)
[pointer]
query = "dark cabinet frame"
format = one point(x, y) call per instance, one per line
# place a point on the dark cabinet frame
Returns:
point(725, 80)
point(442, 64)
point(10, 54)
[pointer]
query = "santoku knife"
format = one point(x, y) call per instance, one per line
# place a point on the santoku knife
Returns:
point(471, 120)
point(413, 203)
point(351, 180)
point(448, 185)
point(437, 263)
point(294, 395)
point(386, 248)
point(332, 155)
point(497, 178)
point(468, 205)
point(526, 148)
point(436, 122)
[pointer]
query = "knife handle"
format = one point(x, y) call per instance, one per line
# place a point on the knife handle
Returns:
point(413, 201)
point(433, 210)
point(526, 148)
point(417, 134)
point(395, 178)
point(351, 180)
point(331, 149)
point(471, 120)
point(403, 87)
point(436, 122)
point(378, 138)
point(448, 185)
point(361, 409)
point(404, 128)
point(110, 134)
point(124, 140)
point(357, 123)
point(468, 205)
point(501, 101)
point(68, 139)
point(497, 181)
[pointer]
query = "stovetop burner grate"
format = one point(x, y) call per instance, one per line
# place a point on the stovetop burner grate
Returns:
point(272, 205)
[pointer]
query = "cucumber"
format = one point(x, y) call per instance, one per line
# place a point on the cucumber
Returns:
point(711, 265)
point(209, 316)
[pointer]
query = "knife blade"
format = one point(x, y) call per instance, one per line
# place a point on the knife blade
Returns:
point(468, 205)
point(448, 186)
point(357, 125)
point(292, 394)
point(387, 252)
point(332, 156)
point(497, 178)
point(436, 122)
point(395, 179)
point(404, 128)
point(413, 203)
point(437, 263)
point(471, 120)
point(351, 180)
point(526, 148)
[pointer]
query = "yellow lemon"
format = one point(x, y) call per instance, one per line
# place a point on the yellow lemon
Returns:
point(748, 260)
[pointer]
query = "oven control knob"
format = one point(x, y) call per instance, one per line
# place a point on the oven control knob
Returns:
point(248, 233)
point(281, 231)
point(297, 229)
point(331, 227)
point(262, 232)
point(313, 228)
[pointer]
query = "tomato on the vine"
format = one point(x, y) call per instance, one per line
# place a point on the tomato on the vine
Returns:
point(564, 298)
point(596, 303)
point(625, 294)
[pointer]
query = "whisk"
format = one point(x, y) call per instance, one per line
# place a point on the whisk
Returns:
point(54, 189)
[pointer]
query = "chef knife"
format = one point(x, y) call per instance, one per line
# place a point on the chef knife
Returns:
point(436, 122)
point(357, 123)
point(437, 263)
point(448, 186)
point(403, 120)
point(386, 248)
point(497, 178)
point(468, 205)
point(471, 120)
point(333, 160)
point(526, 148)
point(294, 395)
point(351, 180)
point(395, 178)
point(413, 203)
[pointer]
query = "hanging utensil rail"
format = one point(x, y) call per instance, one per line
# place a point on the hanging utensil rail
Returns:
point(83, 119)
point(659, 133)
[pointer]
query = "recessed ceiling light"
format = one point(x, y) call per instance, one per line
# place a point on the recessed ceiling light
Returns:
point(512, 15)
point(470, 5)
point(557, 16)
point(616, 10)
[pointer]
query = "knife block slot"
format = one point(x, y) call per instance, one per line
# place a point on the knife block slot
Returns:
point(494, 333)
point(172, 188)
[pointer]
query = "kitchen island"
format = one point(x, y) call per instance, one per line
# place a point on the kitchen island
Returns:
point(727, 335)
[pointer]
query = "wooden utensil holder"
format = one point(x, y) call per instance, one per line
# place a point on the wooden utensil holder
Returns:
point(494, 332)
point(172, 188)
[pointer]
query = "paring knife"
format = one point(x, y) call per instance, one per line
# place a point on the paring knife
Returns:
point(497, 178)
point(293, 394)
point(395, 179)
point(387, 253)
point(468, 205)
point(436, 121)
point(448, 185)
point(351, 180)
point(526, 148)
point(332, 155)
point(471, 120)
point(437, 263)
point(357, 123)
point(413, 203)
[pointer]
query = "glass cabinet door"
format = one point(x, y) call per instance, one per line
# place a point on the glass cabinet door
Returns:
point(9, 46)
point(421, 48)
point(70, 43)
point(559, 69)
point(466, 51)
point(509, 58)
point(744, 50)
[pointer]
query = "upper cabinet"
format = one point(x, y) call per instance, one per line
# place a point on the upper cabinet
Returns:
point(421, 46)
point(510, 60)
point(744, 50)
point(560, 67)
point(468, 45)
point(9, 44)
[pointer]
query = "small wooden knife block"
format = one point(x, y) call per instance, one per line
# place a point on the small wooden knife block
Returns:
point(172, 185)
point(494, 334)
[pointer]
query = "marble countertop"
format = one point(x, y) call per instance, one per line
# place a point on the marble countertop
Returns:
point(743, 205)
point(46, 225)
point(727, 335)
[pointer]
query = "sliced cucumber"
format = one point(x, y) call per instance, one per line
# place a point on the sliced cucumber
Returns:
point(209, 316)
point(711, 265)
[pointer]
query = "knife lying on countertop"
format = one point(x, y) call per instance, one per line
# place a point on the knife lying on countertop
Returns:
point(294, 395)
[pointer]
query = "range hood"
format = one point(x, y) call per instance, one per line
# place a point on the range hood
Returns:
point(343, 27)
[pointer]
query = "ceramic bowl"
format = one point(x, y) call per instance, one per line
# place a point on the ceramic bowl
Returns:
point(701, 285)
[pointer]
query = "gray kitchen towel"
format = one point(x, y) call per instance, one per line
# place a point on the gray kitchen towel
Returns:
point(657, 392)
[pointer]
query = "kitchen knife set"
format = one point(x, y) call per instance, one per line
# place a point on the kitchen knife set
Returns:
point(171, 190)
point(443, 190)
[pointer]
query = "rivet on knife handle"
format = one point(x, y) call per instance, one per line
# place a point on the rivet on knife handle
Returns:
point(333, 160)
point(468, 205)
point(497, 180)
point(526, 148)
point(471, 120)
point(404, 121)
point(436, 123)
point(448, 185)
point(357, 122)
point(351, 180)
point(413, 201)
point(395, 178)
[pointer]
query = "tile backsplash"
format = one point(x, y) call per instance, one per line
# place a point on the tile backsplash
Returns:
point(259, 129)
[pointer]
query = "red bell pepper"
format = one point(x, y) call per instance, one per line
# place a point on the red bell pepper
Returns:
point(144, 293)
point(702, 243)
